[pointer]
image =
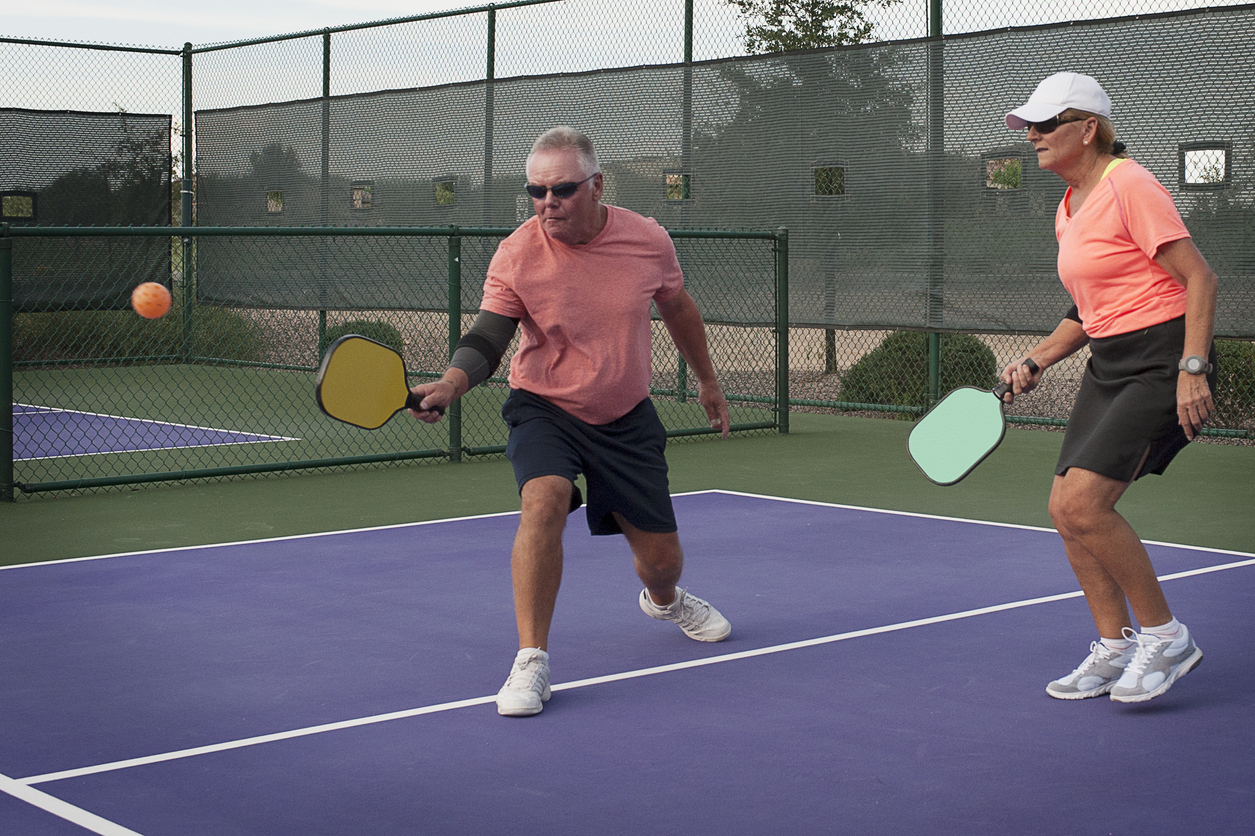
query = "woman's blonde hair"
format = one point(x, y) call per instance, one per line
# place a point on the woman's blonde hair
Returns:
point(1104, 136)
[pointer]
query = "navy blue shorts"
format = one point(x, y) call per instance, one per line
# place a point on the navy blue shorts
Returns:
point(623, 462)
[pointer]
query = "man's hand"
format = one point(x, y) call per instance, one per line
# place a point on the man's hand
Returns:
point(436, 397)
point(710, 396)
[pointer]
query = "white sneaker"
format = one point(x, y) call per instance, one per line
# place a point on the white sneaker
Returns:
point(698, 619)
point(527, 686)
point(1157, 664)
point(1096, 676)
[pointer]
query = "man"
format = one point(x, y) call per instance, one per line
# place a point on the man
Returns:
point(580, 277)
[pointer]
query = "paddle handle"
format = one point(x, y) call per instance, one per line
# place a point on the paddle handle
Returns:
point(415, 403)
point(1002, 388)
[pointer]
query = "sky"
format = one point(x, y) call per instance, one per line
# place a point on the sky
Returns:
point(171, 24)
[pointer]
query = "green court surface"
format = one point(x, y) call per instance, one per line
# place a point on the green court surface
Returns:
point(1205, 499)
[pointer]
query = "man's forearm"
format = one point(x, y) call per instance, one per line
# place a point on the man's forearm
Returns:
point(688, 332)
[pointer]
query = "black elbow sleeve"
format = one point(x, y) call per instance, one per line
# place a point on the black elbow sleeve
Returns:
point(486, 348)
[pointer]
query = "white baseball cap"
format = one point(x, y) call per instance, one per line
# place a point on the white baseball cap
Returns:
point(1058, 93)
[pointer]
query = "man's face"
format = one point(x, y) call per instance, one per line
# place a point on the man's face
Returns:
point(572, 220)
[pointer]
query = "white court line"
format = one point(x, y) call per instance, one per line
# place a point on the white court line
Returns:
point(255, 438)
point(45, 564)
point(582, 683)
point(337, 532)
point(259, 440)
point(48, 410)
point(921, 516)
point(63, 809)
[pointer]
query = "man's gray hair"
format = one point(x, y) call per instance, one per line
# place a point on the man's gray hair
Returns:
point(563, 138)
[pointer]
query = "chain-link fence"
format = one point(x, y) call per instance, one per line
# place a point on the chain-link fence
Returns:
point(920, 233)
point(223, 384)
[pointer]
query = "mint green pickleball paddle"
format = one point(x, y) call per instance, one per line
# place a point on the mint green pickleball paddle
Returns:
point(960, 432)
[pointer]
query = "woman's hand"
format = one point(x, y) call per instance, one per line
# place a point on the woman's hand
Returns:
point(1194, 402)
point(1021, 378)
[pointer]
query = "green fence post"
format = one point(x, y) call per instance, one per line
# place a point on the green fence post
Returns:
point(686, 143)
point(489, 117)
point(6, 363)
point(936, 209)
point(325, 195)
point(185, 206)
point(934, 368)
point(454, 414)
point(782, 329)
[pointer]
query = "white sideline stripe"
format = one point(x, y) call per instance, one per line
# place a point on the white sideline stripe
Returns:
point(581, 683)
point(200, 546)
point(254, 741)
point(584, 683)
point(1189, 573)
point(45, 410)
point(921, 516)
point(799, 645)
point(63, 809)
point(205, 546)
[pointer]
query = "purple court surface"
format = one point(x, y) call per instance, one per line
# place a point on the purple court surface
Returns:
point(885, 675)
point(44, 433)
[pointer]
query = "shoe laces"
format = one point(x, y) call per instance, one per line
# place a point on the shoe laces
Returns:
point(692, 612)
point(1147, 647)
point(1097, 650)
point(524, 674)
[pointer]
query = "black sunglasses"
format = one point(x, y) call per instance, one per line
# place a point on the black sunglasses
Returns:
point(1052, 124)
point(562, 190)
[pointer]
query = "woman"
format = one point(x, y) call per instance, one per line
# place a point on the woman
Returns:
point(1145, 305)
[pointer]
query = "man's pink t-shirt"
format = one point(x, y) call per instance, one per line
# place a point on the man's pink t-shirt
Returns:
point(1107, 253)
point(585, 311)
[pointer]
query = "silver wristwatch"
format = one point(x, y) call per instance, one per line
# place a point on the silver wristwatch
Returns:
point(1194, 365)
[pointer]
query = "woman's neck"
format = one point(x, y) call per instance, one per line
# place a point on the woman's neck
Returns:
point(1087, 172)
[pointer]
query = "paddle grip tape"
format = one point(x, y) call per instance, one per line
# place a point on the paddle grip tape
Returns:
point(415, 403)
point(1002, 388)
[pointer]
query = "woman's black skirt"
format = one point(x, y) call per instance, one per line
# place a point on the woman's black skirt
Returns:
point(1128, 404)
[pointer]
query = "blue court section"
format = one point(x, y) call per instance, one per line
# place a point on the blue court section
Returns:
point(885, 674)
point(43, 432)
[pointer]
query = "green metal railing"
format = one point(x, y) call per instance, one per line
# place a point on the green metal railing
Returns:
point(230, 369)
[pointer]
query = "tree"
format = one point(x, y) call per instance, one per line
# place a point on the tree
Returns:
point(275, 163)
point(783, 25)
point(853, 104)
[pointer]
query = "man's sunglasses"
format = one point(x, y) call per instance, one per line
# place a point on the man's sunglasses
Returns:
point(1052, 124)
point(562, 190)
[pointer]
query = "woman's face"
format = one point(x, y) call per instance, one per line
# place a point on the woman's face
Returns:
point(1060, 144)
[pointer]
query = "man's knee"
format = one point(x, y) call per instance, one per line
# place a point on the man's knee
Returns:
point(545, 503)
point(660, 549)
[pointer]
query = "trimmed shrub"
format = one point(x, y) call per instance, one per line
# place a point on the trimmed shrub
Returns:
point(896, 371)
point(217, 333)
point(380, 332)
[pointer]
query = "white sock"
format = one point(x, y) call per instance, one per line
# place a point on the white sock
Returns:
point(1171, 631)
point(1121, 646)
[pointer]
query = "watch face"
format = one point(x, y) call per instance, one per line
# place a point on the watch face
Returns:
point(1194, 364)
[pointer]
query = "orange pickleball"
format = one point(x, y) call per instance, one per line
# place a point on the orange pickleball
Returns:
point(151, 300)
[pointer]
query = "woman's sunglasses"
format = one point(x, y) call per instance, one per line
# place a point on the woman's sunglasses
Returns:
point(562, 190)
point(1052, 124)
